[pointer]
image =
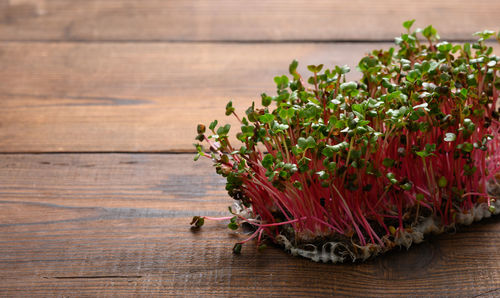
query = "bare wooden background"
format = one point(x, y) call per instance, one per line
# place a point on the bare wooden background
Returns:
point(99, 101)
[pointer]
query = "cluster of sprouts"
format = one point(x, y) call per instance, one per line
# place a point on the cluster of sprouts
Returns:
point(326, 158)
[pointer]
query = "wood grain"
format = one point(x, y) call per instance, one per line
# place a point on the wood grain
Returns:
point(138, 97)
point(76, 97)
point(116, 76)
point(230, 20)
point(117, 225)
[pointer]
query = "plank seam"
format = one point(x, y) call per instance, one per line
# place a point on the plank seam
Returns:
point(210, 41)
point(97, 152)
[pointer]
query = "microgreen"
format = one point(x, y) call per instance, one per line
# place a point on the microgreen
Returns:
point(326, 157)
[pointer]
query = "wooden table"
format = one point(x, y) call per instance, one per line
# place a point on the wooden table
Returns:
point(99, 101)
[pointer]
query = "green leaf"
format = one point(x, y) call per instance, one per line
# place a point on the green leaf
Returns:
point(304, 143)
point(247, 130)
point(252, 117)
point(304, 164)
point(233, 226)
point(424, 126)
point(392, 178)
point(284, 81)
point(469, 125)
point(268, 161)
point(250, 109)
point(422, 153)
point(229, 108)
point(277, 127)
point(367, 63)
point(430, 33)
point(286, 113)
point(197, 221)
point(467, 147)
point(237, 248)
point(327, 151)
point(442, 182)
point(293, 67)
point(477, 60)
point(281, 82)
point(484, 35)
point(297, 185)
point(340, 146)
point(426, 66)
point(358, 108)
point(387, 162)
point(444, 47)
point(315, 68)
point(372, 113)
point(223, 130)
point(430, 147)
point(406, 186)
point(323, 175)
point(468, 170)
point(331, 166)
point(423, 106)
point(200, 129)
point(266, 100)
point(342, 69)
point(348, 86)
point(467, 48)
point(266, 118)
point(199, 149)
point(463, 93)
point(413, 75)
point(213, 124)
point(408, 24)
point(311, 142)
point(450, 137)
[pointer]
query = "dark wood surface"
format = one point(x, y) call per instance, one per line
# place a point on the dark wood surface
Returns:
point(82, 81)
point(59, 97)
point(138, 96)
point(118, 224)
point(237, 20)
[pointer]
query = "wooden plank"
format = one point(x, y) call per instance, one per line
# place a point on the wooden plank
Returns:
point(223, 20)
point(117, 224)
point(139, 97)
